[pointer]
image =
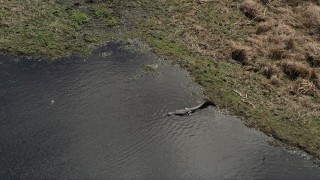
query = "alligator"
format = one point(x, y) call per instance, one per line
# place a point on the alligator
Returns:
point(188, 111)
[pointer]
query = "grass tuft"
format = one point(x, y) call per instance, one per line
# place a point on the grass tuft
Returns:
point(305, 87)
point(253, 10)
point(310, 15)
point(242, 54)
point(271, 71)
point(294, 69)
point(313, 54)
point(104, 13)
point(79, 18)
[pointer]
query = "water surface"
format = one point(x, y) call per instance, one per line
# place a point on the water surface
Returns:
point(101, 118)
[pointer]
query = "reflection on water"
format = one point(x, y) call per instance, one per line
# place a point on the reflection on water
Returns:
point(102, 124)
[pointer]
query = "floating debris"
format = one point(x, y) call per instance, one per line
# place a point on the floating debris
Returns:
point(105, 54)
point(150, 67)
point(146, 69)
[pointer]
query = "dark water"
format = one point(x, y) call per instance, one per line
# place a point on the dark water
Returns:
point(88, 119)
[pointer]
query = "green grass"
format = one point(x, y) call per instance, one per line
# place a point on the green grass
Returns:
point(104, 13)
point(49, 28)
point(79, 18)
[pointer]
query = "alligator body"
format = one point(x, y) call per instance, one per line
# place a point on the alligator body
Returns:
point(188, 111)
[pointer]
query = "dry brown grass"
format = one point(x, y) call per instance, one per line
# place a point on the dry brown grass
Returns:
point(313, 54)
point(282, 29)
point(253, 10)
point(294, 69)
point(274, 80)
point(288, 38)
point(242, 54)
point(314, 78)
point(310, 14)
point(294, 2)
point(265, 27)
point(277, 52)
point(303, 87)
point(274, 40)
point(271, 71)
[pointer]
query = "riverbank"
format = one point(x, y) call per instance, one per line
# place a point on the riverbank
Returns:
point(249, 58)
point(251, 61)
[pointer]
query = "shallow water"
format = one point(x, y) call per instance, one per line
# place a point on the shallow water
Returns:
point(96, 118)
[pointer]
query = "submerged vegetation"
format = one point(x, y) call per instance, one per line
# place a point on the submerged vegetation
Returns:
point(258, 58)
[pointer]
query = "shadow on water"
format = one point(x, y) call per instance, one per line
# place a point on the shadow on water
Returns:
point(87, 118)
